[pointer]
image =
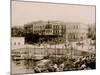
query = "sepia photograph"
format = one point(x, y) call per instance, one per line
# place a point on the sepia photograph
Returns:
point(52, 37)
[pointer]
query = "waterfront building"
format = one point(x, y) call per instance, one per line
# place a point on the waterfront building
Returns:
point(76, 31)
point(62, 31)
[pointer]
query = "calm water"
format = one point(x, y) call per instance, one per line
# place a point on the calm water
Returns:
point(23, 66)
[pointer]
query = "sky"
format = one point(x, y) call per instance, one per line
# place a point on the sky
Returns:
point(25, 12)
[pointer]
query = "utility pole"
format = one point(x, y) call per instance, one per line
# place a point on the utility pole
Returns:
point(55, 50)
point(71, 51)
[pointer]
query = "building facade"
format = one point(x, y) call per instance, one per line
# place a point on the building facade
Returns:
point(76, 31)
point(62, 31)
point(48, 29)
point(45, 27)
point(17, 44)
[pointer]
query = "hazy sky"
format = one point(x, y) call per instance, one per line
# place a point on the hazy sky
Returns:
point(24, 12)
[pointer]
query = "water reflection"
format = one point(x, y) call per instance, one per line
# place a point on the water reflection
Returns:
point(23, 66)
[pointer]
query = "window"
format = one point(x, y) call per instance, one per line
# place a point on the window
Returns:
point(18, 43)
point(77, 26)
point(14, 43)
